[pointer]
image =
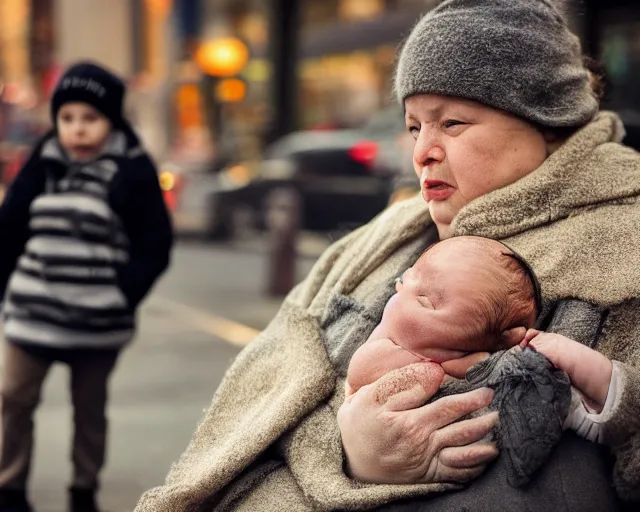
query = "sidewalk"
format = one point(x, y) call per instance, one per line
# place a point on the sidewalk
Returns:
point(203, 311)
point(309, 244)
point(161, 386)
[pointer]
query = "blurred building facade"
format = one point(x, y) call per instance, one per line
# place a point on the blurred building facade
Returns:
point(346, 49)
point(341, 59)
point(39, 38)
point(347, 56)
point(344, 56)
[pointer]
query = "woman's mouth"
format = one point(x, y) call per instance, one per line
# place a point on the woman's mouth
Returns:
point(436, 190)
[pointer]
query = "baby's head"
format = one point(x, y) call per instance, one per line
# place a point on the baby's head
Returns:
point(86, 106)
point(464, 294)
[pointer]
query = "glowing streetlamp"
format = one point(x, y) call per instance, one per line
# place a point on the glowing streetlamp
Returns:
point(231, 90)
point(220, 60)
point(222, 57)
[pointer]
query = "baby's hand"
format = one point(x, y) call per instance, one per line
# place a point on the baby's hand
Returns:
point(529, 335)
point(589, 370)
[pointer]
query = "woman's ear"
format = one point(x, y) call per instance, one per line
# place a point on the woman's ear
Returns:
point(511, 337)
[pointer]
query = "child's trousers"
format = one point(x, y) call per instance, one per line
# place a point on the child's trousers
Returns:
point(22, 376)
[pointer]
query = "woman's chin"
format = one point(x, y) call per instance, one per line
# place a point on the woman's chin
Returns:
point(442, 220)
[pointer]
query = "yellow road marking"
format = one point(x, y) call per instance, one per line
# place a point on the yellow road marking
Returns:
point(232, 332)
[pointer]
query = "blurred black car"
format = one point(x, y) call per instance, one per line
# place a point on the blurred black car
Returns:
point(341, 179)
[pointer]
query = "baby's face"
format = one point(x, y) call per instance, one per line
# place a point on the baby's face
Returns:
point(436, 306)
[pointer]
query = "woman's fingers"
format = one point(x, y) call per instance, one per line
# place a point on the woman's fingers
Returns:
point(465, 432)
point(469, 456)
point(458, 367)
point(448, 409)
point(386, 421)
point(446, 473)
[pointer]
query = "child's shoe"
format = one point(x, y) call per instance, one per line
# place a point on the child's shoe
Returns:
point(14, 500)
point(82, 500)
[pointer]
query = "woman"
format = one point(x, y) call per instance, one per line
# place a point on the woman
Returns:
point(509, 145)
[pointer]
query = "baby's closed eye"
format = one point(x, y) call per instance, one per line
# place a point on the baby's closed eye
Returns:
point(425, 301)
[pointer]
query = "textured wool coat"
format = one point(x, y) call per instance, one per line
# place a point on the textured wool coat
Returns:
point(270, 439)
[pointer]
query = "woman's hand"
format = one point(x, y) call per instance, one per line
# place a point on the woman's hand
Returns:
point(589, 370)
point(389, 436)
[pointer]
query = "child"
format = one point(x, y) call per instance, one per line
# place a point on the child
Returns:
point(85, 234)
point(463, 295)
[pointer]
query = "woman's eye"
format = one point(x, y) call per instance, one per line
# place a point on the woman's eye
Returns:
point(90, 119)
point(450, 123)
point(414, 131)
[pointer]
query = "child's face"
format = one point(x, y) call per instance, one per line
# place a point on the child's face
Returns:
point(436, 309)
point(82, 130)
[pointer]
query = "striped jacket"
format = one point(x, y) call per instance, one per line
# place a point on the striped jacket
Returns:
point(68, 289)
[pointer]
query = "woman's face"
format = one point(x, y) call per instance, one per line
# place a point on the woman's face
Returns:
point(464, 150)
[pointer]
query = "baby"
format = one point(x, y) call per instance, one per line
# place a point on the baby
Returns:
point(463, 295)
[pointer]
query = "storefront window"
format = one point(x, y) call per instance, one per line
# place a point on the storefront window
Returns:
point(352, 10)
point(318, 13)
point(229, 122)
point(245, 122)
point(340, 91)
point(14, 47)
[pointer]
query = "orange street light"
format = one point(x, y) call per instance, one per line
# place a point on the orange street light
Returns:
point(159, 7)
point(231, 90)
point(222, 57)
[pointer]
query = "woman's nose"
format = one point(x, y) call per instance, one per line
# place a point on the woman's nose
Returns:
point(428, 150)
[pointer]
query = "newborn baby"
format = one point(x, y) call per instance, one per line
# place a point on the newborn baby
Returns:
point(463, 295)
point(467, 295)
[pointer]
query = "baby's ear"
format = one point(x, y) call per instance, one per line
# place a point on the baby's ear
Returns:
point(512, 337)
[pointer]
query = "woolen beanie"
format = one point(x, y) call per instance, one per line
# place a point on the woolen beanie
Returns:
point(515, 55)
point(90, 83)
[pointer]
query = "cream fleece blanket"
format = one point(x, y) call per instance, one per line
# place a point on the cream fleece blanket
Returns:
point(575, 219)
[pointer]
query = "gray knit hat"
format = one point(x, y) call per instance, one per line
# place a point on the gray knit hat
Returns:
point(514, 55)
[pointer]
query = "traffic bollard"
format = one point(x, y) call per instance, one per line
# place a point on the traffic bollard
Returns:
point(283, 223)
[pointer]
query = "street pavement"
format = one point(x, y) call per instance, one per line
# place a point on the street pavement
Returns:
point(204, 310)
